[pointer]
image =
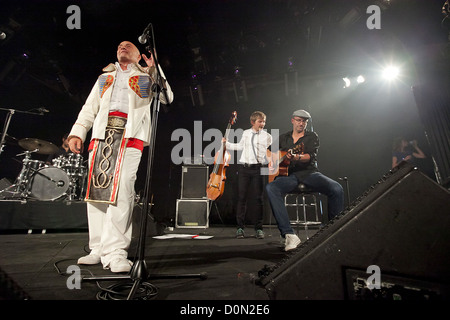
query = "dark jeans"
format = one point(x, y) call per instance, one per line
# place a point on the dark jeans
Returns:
point(318, 182)
point(250, 183)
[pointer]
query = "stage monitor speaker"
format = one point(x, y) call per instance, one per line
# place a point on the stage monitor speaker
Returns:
point(194, 179)
point(392, 243)
point(10, 290)
point(192, 213)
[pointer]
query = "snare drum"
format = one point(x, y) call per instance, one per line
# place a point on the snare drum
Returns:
point(26, 174)
point(49, 183)
point(28, 169)
point(32, 166)
point(35, 164)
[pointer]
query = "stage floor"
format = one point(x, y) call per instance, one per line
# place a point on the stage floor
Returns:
point(37, 264)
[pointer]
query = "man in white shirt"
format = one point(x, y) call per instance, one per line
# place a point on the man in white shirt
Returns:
point(253, 144)
point(118, 112)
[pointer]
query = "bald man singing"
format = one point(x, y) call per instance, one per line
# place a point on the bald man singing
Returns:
point(118, 112)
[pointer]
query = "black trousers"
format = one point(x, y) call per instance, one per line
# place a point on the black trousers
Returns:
point(250, 204)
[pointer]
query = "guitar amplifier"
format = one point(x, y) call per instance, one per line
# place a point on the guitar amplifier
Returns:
point(193, 181)
point(192, 213)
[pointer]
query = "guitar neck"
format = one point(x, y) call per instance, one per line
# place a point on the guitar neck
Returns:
point(220, 153)
point(227, 132)
point(281, 159)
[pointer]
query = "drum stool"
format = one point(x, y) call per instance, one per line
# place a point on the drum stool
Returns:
point(304, 193)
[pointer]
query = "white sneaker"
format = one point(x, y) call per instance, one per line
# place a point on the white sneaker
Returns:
point(292, 241)
point(120, 265)
point(89, 259)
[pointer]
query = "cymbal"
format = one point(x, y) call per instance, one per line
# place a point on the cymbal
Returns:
point(44, 147)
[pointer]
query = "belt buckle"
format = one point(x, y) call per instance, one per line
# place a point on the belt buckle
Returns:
point(116, 122)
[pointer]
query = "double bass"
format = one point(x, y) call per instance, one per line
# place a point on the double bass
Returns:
point(216, 183)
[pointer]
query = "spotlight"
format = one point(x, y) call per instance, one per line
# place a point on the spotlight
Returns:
point(360, 79)
point(347, 82)
point(391, 73)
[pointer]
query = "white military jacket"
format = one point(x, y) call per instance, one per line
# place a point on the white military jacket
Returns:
point(94, 113)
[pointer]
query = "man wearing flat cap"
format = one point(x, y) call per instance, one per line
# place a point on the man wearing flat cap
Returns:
point(301, 146)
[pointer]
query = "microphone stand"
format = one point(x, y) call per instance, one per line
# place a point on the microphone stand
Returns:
point(139, 273)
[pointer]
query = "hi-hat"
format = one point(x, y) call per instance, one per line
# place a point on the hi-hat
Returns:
point(43, 147)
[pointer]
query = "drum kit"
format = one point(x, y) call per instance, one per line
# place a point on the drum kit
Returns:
point(64, 179)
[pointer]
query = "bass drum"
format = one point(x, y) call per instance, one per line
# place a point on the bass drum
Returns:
point(49, 184)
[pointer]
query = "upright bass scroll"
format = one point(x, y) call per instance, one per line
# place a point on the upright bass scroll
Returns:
point(216, 183)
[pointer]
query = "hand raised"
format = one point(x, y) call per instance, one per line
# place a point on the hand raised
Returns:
point(149, 61)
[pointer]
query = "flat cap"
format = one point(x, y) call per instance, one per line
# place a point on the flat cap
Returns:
point(301, 114)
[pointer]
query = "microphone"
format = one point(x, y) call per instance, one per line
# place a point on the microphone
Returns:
point(42, 110)
point(143, 37)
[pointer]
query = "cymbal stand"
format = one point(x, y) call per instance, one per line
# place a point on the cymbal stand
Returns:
point(8, 121)
point(5, 128)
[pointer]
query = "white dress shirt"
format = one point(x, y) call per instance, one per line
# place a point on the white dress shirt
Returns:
point(253, 146)
point(119, 95)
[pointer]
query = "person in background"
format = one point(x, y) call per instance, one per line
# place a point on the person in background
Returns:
point(402, 150)
point(64, 150)
point(253, 144)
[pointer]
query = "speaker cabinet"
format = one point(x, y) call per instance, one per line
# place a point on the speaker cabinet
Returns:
point(192, 213)
point(10, 290)
point(194, 179)
point(400, 226)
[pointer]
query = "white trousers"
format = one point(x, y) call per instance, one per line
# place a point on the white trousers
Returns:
point(110, 226)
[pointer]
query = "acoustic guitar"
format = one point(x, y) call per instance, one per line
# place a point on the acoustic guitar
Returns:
point(280, 162)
